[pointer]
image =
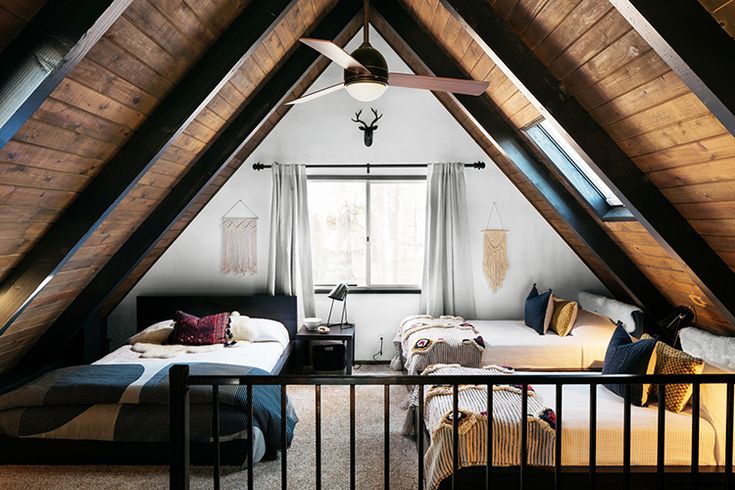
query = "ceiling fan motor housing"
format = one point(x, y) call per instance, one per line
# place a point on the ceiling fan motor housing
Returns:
point(373, 61)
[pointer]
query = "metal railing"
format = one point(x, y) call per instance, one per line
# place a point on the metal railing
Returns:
point(181, 381)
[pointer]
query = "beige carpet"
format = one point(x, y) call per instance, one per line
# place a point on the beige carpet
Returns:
point(301, 472)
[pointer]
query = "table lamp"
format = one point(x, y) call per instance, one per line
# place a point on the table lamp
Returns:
point(339, 293)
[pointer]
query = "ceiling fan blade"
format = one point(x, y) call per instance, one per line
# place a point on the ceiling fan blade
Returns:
point(317, 94)
point(439, 84)
point(336, 54)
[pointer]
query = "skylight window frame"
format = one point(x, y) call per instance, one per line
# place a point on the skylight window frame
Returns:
point(548, 145)
point(369, 287)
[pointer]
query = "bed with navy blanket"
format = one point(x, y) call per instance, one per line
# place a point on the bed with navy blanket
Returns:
point(130, 403)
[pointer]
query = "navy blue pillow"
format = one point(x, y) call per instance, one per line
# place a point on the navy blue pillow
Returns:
point(624, 356)
point(534, 313)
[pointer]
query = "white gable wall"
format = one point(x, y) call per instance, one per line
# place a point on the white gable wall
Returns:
point(415, 128)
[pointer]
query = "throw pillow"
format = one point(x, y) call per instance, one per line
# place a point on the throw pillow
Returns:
point(538, 310)
point(192, 330)
point(624, 356)
point(155, 334)
point(674, 361)
point(563, 317)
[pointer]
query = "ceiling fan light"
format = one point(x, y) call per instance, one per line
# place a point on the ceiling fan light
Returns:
point(367, 90)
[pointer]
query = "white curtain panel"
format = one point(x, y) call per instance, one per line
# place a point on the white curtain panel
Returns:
point(447, 286)
point(289, 261)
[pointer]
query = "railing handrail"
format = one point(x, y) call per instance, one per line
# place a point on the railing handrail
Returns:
point(516, 378)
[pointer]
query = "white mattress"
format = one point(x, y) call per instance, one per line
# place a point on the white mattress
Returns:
point(263, 355)
point(511, 343)
point(644, 423)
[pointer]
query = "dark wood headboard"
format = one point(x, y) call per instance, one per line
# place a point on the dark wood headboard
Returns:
point(152, 309)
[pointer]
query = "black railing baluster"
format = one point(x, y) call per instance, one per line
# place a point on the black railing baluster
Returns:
point(558, 441)
point(386, 437)
point(489, 462)
point(626, 437)
point(524, 434)
point(729, 435)
point(420, 436)
point(249, 410)
point(695, 435)
point(352, 437)
point(593, 436)
point(284, 439)
point(215, 435)
point(318, 425)
point(179, 427)
point(661, 437)
point(455, 434)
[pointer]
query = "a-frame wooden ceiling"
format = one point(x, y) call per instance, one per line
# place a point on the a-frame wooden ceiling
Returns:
point(146, 127)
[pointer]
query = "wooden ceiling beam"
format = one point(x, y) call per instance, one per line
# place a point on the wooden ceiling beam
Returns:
point(192, 94)
point(483, 112)
point(267, 98)
point(693, 44)
point(50, 46)
point(640, 196)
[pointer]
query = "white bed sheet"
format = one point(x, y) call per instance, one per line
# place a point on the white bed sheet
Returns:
point(644, 424)
point(512, 343)
point(263, 355)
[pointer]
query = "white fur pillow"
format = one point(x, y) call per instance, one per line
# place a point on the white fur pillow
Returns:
point(155, 334)
point(615, 310)
point(241, 327)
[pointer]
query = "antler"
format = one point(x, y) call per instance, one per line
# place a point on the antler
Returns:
point(358, 120)
point(375, 113)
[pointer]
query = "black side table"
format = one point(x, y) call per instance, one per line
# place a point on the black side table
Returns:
point(346, 336)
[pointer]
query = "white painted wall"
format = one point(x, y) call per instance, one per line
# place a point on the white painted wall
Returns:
point(415, 128)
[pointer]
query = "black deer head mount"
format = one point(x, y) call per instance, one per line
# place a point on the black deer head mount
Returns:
point(367, 129)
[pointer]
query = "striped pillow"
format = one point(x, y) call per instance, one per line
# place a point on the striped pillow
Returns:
point(564, 316)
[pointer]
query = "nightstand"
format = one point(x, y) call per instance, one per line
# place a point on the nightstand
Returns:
point(346, 336)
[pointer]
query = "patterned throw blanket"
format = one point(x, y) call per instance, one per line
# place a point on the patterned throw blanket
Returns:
point(473, 424)
point(423, 340)
point(130, 402)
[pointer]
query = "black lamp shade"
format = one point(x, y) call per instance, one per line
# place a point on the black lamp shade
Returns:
point(339, 293)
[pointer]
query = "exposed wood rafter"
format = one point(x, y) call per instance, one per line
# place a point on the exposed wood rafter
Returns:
point(140, 152)
point(39, 58)
point(650, 207)
point(485, 115)
point(694, 45)
point(266, 99)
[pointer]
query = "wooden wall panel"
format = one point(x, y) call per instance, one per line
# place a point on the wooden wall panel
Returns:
point(163, 52)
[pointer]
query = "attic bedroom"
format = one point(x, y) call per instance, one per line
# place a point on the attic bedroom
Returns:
point(415, 244)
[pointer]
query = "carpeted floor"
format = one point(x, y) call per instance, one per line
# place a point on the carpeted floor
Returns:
point(301, 472)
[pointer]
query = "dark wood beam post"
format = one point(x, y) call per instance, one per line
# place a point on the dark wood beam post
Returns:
point(693, 44)
point(267, 98)
point(485, 115)
point(140, 152)
point(640, 196)
point(39, 58)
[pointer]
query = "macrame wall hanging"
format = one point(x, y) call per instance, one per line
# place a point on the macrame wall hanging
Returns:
point(495, 252)
point(240, 241)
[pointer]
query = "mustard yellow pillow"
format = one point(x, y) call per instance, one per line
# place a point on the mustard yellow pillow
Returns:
point(674, 361)
point(564, 316)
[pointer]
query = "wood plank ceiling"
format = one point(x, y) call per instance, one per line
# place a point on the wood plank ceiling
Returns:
point(586, 44)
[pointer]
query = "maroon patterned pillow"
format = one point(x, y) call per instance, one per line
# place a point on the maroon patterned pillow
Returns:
point(192, 330)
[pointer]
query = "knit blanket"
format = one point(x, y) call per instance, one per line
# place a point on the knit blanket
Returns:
point(473, 424)
point(423, 340)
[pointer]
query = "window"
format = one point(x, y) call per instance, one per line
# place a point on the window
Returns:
point(577, 171)
point(367, 233)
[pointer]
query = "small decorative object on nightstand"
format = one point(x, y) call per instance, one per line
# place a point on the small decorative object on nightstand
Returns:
point(346, 336)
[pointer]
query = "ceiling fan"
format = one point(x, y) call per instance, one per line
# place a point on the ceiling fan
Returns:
point(366, 75)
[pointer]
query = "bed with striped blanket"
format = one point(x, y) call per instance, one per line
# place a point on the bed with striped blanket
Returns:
point(423, 340)
point(473, 424)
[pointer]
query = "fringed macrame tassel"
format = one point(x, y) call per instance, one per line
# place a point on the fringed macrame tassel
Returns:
point(495, 257)
point(240, 246)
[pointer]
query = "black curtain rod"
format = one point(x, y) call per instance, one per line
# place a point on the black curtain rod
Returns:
point(368, 166)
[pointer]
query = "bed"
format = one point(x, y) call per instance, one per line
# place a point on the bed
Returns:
point(124, 391)
point(575, 435)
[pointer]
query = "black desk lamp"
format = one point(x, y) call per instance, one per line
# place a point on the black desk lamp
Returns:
point(339, 293)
